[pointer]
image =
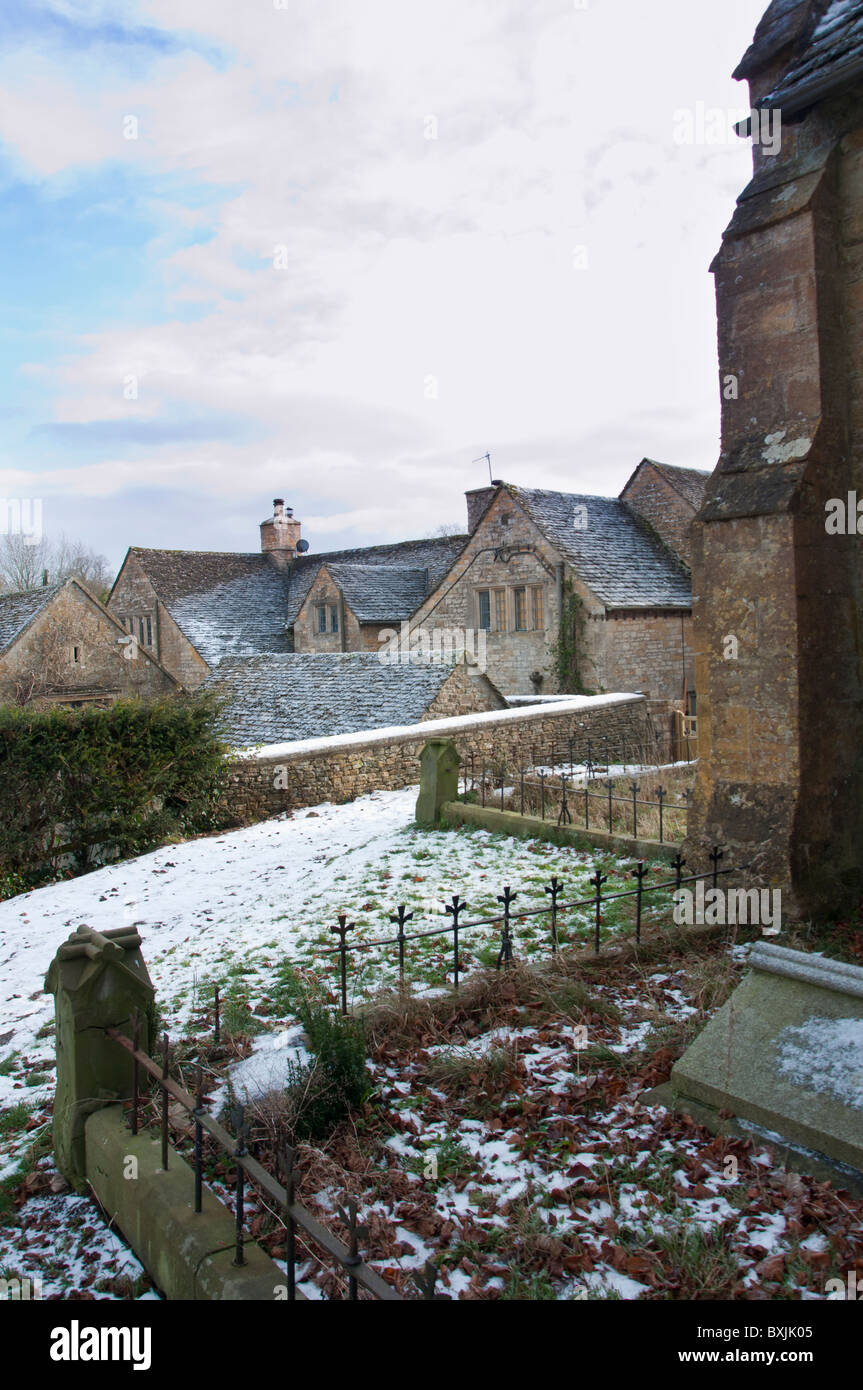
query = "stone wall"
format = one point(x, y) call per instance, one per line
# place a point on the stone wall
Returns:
point(349, 765)
point(650, 651)
point(72, 651)
point(134, 595)
point(506, 551)
point(668, 513)
point(777, 598)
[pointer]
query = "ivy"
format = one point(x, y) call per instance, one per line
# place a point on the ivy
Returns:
point(81, 787)
point(566, 651)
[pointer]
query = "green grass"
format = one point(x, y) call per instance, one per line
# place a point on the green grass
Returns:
point(14, 1118)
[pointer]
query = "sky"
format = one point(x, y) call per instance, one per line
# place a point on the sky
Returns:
point(337, 250)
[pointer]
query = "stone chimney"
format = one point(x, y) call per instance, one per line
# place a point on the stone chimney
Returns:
point(280, 533)
point(478, 503)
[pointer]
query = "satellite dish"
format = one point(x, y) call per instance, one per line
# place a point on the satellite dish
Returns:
point(302, 547)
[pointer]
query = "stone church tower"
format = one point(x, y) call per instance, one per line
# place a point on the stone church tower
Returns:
point(777, 595)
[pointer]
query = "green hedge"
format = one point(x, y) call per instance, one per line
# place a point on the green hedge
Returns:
point(80, 787)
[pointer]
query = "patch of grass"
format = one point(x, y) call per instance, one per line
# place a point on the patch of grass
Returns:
point(529, 1286)
point(10, 1064)
point(453, 1160)
point(457, 1070)
point(696, 1264)
point(14, 1118)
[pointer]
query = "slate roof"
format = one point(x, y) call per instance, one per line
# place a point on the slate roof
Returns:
point(18, 610)
point(831, 56)
point(691, 483)
point(226, 604)
point(435, 555)
point(784, 22)
point(277, 699)
point(615, 555)
point(176, 574)
point(380, 593)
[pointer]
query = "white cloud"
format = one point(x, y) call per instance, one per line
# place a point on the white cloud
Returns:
point(408, 257)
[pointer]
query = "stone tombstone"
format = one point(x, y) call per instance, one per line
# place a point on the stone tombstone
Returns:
point(439, 765)
point(98, 979)
point(785, 1055)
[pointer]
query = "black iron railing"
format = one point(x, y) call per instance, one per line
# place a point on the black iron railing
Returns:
point(555, 788)
point(281, 1196)
point(503, 921)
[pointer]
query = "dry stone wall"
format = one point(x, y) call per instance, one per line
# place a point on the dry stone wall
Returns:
point(346, 766)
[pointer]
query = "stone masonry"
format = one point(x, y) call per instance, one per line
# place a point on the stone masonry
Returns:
point(342, 768)
point(777, 598)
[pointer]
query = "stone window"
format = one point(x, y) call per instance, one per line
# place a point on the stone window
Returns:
point(500, 610)
point(322, 617)
point(145, 630)
point(538, 607)
point(76, 654)
point(520, 606)
point(334, 620)
point(484, 599)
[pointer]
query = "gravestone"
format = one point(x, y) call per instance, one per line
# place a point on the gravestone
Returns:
point(98, 979)
point(439, 764)
point(785, 1055)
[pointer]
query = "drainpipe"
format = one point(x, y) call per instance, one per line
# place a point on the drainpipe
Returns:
point(558, 589)
point(343, 637)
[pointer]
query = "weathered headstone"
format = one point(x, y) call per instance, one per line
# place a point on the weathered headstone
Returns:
point(439, 765)
point(785, 1054)
point(98, 979)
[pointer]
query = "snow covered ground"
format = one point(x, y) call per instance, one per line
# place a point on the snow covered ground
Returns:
point(228, 908)
point(590, 1182)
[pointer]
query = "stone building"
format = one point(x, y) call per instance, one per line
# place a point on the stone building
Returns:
point(280, 699)
point(607, 566)
point(777, 579)
point(59, 645)
point(615, 567)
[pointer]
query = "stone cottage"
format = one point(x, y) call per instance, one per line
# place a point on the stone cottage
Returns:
point(615, 570)
point(607, 574)
point(779, 666)
point(59, 645)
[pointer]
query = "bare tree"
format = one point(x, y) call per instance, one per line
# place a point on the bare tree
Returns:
point(24, 565)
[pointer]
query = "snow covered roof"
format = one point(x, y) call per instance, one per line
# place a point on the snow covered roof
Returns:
point(380, 593)
point(435, 556)
point(230, 604)
point(624, 564)
point(274, 699)
point(825, 41)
